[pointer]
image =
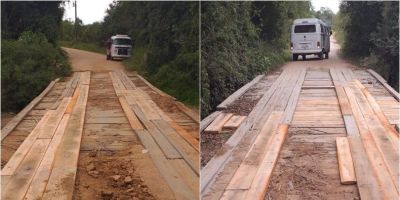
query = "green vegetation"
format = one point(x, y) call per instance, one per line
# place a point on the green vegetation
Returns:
point(165, 42)
point(240, 40)
point(368, 33)
point(30, 57)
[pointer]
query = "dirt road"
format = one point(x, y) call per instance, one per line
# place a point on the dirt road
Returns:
point(89, 61)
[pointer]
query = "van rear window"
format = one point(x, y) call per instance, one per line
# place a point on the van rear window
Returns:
point(304, 29)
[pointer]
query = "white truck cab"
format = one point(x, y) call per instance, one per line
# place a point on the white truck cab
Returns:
point(120, 46)
point(310, 36)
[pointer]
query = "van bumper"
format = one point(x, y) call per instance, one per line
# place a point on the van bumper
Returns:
point(306, 52)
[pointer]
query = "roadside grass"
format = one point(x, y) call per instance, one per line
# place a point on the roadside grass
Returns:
point(83, 46)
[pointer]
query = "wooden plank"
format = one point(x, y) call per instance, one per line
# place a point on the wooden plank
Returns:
point(85, 78)
point(66, 159)
point(190, 155)
point(50, 127)
point(393, 92)
point(318, 87)
point(244, 175)
point(207, 121)
point(19, 182)
point(167, 171)
point(185, 135)
point(189, 112)
point(234, 122)
point(216, 163)
point(350, 124)
point(238, 93)
point(133, 120)
point(259, 186)
point(125, 79)
point(190, 178)
point(218, 123)
point(24, 148)
point(345, 161)
point(72, 102)
point(367, 183)
point(168, 149)
point(155, 88)
point(39, 181)
point(392, 133)
point(18, 118)
point(293, 99)
point(380, 170)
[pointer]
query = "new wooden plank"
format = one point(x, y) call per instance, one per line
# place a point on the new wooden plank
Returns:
point(168, 149)
point(234, 122)
point(84, 78)
point(386, 184)
point(207, 121)
point(381, 116)
point(393, 92)
point(238, 93)
point(216, 163)
point(218, 123)
point(125, 80)
point(133, 120)
point(167, 171)
point(259, 186)
point(19, 182)
point(244, 175)
point(72, 102)
point(17, 119)
point(66, 159)
point(39, 181)
point(190, 155)
point(190, 178)
point(24, 148)
point(148, 110)
point(189, 112)
point(305, 87)
point(50, 127)
point(185, 135)
point(345, 161)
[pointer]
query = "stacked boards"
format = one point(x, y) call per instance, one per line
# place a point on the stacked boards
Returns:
point(373, 141)
point(173, 150)
point(45, 164)
point(224, 121)
point(243, 167)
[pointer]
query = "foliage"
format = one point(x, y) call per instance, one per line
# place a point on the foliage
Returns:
point(240, 40)
point(326, 15)
point(30, 56)
point(374, 43)
point(20, 16)
point(28, 65)
point(166, 38)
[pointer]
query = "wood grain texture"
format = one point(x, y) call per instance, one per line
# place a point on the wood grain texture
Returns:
point(345, 161)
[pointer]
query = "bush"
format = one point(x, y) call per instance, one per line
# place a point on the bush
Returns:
point(28, 65)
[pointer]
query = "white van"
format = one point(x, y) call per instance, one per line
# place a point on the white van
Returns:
point(119, 46)
point(310, 36)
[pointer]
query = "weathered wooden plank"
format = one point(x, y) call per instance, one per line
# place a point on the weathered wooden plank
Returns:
point(66, 159)
point(167, 171)
point(19, 182)
point(218, 123)
point(294, 98)
point(238, 93)
point(24, 148)
point(39, 181)
point(185, 135)
point(189, 112)
point(155, 88)
point(234, 122)
point(207, 121)
point(345, 161)
point(133, 120)
point(259, 186)
point(17, 119)
point(393, 92)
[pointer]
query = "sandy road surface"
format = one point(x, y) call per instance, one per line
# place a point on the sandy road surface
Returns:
point(84, 60)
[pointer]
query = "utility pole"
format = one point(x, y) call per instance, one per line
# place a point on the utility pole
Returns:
point(76, 22)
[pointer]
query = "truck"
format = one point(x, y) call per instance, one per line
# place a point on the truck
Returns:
point(119, 46)
point(310, 36)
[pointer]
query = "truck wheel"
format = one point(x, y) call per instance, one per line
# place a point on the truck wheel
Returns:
point(326, 55)
point(321, 55)
point(295, 57)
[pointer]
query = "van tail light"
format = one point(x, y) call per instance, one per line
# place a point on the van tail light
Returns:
point(318, 45)
point(291, 45)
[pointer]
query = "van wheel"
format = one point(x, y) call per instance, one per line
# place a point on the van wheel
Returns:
point(321, 55)
point(295, 56)
point(303, 57)
point(326, 55)
point(108, 57)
